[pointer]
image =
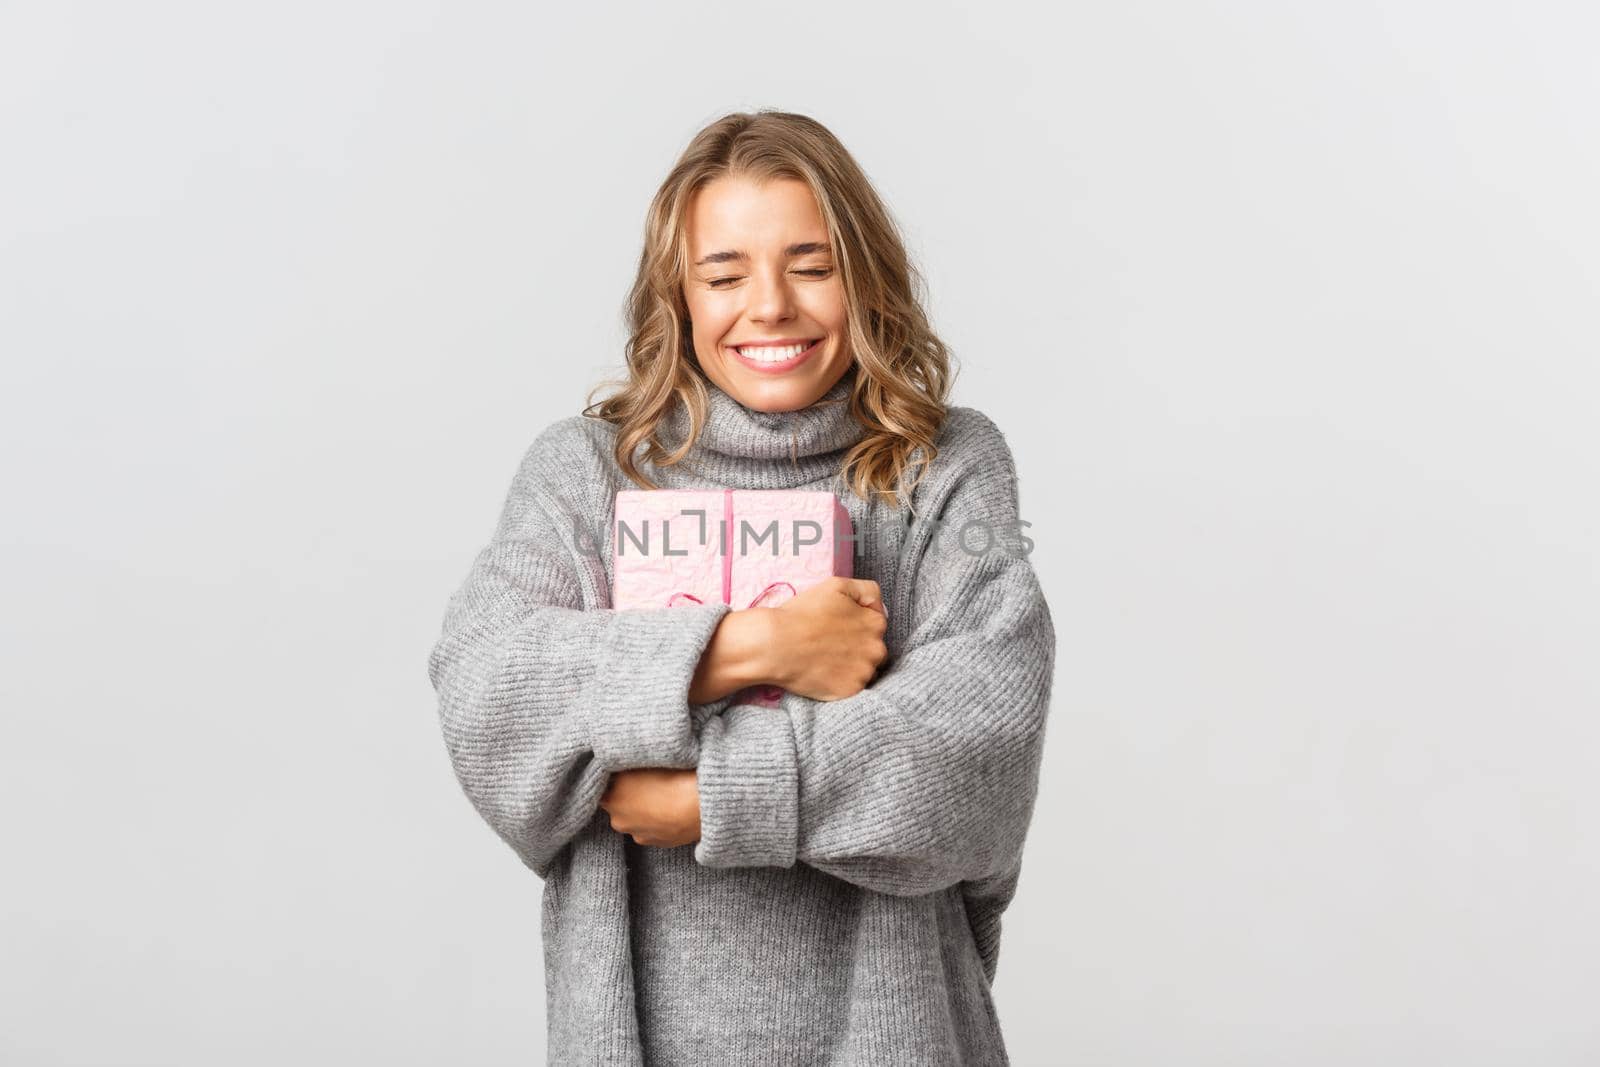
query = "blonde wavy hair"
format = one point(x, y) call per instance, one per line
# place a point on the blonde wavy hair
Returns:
point(901, 370)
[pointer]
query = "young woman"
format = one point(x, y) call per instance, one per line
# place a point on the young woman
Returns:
point(727, 883)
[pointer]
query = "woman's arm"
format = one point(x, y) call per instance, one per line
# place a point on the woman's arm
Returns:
point(927, 777)
point(542, 697)
point(736, 656)
point(827, 642)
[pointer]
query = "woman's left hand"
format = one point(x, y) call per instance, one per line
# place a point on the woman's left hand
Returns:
point(655, 805)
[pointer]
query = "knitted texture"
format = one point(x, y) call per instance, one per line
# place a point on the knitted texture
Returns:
point(843, 903)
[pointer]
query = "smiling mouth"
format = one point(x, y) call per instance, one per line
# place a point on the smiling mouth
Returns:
point(775, 354)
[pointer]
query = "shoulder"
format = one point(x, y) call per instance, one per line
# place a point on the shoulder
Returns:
point(569, 462)
point(970, 437)
point(573, 439)
point(969, 448)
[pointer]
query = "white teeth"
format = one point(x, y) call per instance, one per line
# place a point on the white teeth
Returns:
point(769, 354)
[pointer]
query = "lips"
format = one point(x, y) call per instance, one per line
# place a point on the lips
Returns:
point(769, 366)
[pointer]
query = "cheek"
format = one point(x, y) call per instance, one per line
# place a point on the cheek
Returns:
point(711, 317)
point(827, 307)
point(828, 301)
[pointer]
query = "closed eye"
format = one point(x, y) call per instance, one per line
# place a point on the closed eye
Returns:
point(816, 272)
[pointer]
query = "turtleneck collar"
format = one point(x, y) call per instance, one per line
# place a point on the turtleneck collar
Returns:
point(745, 448)
point(733, 429)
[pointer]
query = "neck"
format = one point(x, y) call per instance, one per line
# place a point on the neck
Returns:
point(743, 448)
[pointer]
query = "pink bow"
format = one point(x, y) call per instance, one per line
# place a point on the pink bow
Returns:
point(673, 601)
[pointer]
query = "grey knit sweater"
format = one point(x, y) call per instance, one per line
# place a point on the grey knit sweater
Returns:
point(843, 903)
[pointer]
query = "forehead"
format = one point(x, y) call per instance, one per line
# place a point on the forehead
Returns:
point(743, 215)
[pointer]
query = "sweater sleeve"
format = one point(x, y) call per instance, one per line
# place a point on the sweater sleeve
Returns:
point(542, 695)
point(927, 777)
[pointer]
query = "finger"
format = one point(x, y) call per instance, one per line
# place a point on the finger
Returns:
point(872, 597)
point(862, 591)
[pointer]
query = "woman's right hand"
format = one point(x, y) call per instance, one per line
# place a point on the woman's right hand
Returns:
point(828, 640)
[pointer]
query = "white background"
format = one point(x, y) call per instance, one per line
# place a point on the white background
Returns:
point(1288, 312)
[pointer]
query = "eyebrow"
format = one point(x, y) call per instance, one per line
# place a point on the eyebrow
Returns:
point(803, 249)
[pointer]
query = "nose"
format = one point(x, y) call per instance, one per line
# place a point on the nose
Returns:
point(770, 297)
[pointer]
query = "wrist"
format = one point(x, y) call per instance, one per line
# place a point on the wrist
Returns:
point(739, 655)
point(754, 642)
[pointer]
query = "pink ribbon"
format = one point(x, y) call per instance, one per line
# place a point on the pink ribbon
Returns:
point(673, 601)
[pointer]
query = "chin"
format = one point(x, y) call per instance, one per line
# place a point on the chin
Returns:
point(781, 394)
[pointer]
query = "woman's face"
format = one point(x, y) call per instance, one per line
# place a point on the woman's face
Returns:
point(760, 271)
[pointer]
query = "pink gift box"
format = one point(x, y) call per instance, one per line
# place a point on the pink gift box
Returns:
point(743, 547)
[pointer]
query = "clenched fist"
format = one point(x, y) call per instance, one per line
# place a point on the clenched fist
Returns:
point(828, 640)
